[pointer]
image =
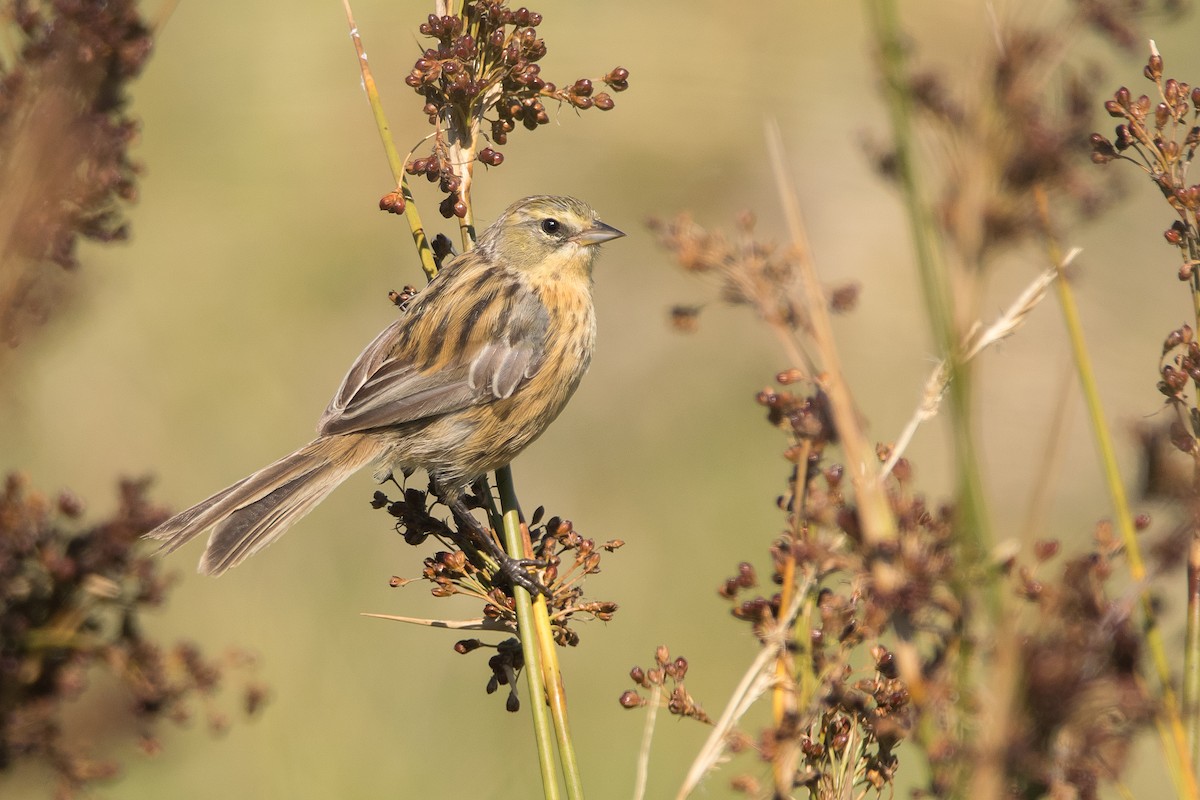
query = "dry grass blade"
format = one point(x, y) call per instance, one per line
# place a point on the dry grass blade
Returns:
point(643, 761)
point(480, 624)
point(976, 342)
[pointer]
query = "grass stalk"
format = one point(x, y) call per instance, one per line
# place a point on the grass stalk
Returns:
point(543, 734)
point(878, 522)
point(643, 762)
point(1169, 710)
point(395, 160)
point(935, 284)
point(537, 644)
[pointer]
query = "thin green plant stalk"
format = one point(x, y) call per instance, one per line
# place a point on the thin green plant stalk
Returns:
point(972, 506)
point(537, 644)
point(1184, 772)
point(556, 694)
point(1191, 642)
point(533, 669)
point(395, 160)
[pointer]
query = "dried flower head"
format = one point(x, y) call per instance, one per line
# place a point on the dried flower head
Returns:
point(483, 68)
point(569, 559)
point(1160, 135)
point(71, 600)
point(64, 138)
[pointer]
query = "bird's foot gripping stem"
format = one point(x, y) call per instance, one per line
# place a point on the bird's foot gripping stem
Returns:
point(515, 570)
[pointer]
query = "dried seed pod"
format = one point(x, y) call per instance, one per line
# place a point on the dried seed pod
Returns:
point(631, 699)
point(1162, 115)
point(392, 202)
point(1154, 67)
point(490, 157)
point(617, 79)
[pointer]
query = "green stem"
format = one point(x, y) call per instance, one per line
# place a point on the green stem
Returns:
point(935, 284)
point(1120, 501)
point(556, 693)
point(537, 643)
point(395, 160)
point(533, 669)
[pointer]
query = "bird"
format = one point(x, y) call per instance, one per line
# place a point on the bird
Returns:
point(475, 368)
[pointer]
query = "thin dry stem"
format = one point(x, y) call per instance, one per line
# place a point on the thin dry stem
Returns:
point(878, 524)
point(643, 761)
point(481, 624)
point(757, 680)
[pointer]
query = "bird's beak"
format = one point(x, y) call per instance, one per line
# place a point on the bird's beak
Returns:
point(599, 232)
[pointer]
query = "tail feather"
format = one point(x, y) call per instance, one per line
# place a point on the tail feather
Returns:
point(251, 528)
point(258, 509)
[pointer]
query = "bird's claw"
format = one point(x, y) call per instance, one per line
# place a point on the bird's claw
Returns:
point(515, 570)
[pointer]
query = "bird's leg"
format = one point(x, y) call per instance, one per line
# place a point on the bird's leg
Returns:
point(512, 568)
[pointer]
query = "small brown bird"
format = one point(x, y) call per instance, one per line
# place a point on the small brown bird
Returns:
point(482, 361)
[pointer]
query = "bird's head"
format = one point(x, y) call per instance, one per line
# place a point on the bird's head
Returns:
point(547, 236)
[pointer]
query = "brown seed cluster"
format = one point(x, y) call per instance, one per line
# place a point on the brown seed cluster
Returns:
point(747, 270)
point(570, 559)
point(859, 708)
point(890, 639)
point(876, 656)
point(1160, 135)
point(71, 602)
point(506, 664)
point(666, 676)
point(1020, 130)
point(847, 705)
point(1179, 365)
point(64, 140)
point(483, 68)
point(1083, 696)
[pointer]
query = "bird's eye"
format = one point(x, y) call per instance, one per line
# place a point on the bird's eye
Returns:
point(550, 226)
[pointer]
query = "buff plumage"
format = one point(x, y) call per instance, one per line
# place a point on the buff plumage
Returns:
point(482, 361)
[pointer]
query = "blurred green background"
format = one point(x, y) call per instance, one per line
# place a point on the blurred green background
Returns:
point(259, 267)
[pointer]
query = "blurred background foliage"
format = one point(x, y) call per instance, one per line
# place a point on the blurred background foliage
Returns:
point(259, 266)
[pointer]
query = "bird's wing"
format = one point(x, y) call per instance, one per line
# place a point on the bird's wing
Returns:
point(456, 347)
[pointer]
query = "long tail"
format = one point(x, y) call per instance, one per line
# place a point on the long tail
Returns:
point(258, 509)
